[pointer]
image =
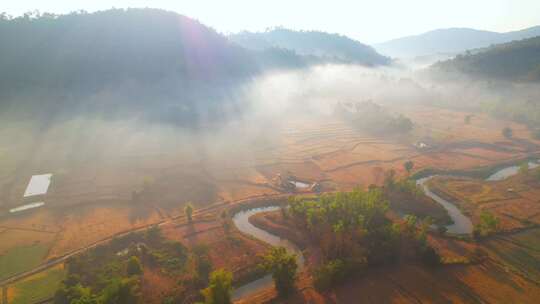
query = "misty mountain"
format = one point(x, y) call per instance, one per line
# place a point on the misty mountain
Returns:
point(146, 61)
point(513, 61)
point(450, 41)
point(325, 46)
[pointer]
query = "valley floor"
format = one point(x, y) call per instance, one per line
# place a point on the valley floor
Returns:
point(91, 201)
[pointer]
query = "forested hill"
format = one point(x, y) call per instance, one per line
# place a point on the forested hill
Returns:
point(142, 60)
point(450, 41)
point(514, 61)
point(91, 50)
point(325, 46)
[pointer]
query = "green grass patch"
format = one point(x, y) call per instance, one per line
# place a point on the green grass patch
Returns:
point(20, 259)
point(38, 287)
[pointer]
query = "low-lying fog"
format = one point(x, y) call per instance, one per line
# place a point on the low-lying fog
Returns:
point(261, 110)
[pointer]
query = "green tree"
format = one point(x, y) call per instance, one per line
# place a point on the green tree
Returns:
point(507, 132)
point(121, 291)
point(68, 294)
point(134, 266)
point(219, 289)
point(283, 267)
point(329, 274)
point(188, 210)
point(426, 223)
point(408, 165)
point(488, 224)
point(410, 224)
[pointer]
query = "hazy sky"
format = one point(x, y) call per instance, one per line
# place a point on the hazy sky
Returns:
point(368, 21)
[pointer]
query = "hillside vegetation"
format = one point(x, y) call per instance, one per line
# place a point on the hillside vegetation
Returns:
point(514, 61)
point(120, 62)
point(322, 46)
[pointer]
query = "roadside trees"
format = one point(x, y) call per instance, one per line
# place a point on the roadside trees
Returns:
point(134, 266)
point(408, 165)
point(188, 210)
point(219, 289)
point(283, 267)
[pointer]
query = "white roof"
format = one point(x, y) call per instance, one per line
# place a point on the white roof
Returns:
point(38, 184)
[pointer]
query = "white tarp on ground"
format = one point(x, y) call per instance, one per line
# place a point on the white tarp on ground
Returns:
point(26, 207)
point(39, 184)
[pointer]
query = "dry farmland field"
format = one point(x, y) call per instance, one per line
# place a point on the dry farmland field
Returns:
point(507, 272)
point(515, 201)
point(98, 195)
point(36, 288)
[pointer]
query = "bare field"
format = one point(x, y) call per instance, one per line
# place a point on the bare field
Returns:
point(21, 250)
point(94, 223)
point(15, 238)
point(520, 251)
point(37, 287)
point(514, 201)
point(91, 198)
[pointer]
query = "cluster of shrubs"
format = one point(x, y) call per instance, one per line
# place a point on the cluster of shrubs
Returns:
point(373, 118)
point(111, 273)
point(353, 232)
point(488, 225)
point(334, 272)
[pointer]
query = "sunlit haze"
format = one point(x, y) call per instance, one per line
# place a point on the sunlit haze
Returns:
point(284, 152)
point(366, 21)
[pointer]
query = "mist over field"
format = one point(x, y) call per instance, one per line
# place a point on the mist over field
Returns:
point(146, 157)
point(249, 116)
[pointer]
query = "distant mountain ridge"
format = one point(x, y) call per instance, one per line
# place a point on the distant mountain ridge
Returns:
point(512, 61)
point(322, 45)
point(450, 41)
